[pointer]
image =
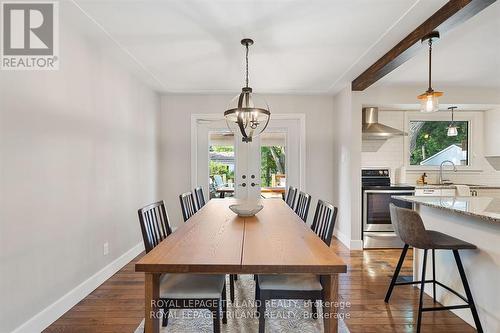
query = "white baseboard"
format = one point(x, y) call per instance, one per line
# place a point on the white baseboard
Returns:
point(356, 245)
point(342, 238)
point(47, 316)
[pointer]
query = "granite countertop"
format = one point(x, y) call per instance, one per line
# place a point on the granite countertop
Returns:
point(451, 186)
point(483, 207)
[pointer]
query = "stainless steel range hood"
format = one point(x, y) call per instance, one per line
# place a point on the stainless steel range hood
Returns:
point(373, 130)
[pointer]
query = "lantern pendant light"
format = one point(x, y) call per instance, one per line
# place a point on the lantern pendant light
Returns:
point(247, 113)
point(429, 100)
point(452, 128)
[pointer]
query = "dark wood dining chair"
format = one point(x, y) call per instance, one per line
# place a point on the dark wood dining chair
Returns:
point(303, 203)
point(324, 221)
point(200, 199)
point(155, 226)
point(182, 291)
point(290, 196)
point(298, 286)
point(187, 205)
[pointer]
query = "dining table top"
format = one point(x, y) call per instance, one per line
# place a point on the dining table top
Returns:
point(215, 240)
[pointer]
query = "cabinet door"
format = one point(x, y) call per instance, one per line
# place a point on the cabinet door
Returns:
point(447, 192)
point(488, 192)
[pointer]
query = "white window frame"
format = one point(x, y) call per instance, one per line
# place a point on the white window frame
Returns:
point(475, 139)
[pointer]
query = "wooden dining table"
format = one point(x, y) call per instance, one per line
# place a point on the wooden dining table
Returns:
point(217, 241)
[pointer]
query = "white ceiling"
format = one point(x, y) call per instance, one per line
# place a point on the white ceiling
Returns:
point(302, 46)
point(467, 56)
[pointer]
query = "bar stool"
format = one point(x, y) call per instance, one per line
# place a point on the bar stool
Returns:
point(410, 228)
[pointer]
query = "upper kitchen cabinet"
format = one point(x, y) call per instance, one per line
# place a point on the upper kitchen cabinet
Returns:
point(492, 137)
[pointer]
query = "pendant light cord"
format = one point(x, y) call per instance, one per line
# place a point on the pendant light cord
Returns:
point(246, 58)
point(430, 63)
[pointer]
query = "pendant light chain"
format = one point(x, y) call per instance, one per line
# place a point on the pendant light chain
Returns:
point(246, 58)
point(430, 63)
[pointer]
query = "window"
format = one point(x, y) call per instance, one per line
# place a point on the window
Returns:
point(273, 164)
point(430, 145)
point(221, 162)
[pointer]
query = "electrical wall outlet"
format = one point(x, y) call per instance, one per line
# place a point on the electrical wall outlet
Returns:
point(105, 249)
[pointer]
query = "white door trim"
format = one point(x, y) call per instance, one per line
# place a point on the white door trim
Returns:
point(301, 117)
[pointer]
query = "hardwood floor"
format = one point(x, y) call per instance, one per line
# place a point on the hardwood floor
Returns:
point(118, 304)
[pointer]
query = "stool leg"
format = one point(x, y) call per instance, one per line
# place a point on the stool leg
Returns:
point(422, 287)
point(468, 293)
point(396, 273)
point(434, 275)
point(231, 288)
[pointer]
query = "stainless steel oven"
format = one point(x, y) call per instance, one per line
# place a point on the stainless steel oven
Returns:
point(378, 231)
point(376, 215)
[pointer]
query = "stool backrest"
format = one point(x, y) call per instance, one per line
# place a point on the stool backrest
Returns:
point(324, 221)
point(200, 199)
point(303, 203)
point(409, 226)
point(188, 206)
point(154, 224)
point(290, 196)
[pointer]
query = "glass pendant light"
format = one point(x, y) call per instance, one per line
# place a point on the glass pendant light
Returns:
point(247, 113)
point(429, 100)
point(452, 128)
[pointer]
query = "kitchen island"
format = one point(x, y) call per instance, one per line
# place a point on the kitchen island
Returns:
point(477, 221)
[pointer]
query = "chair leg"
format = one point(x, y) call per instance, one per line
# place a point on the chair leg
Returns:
point(468, 293)
point(314, 309)
point(231, 288)
point(396, 273)
point(262, 315)
point(165, 317)
point(235, 277)
point(434, 275)
point(422, 287)
point(224, 305)
point(216, 316)
point(257, 290)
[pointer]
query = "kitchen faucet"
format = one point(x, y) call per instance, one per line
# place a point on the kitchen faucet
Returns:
point(441, 180)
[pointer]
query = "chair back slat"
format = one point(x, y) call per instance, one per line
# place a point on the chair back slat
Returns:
point(187, 205)
point(324, 221)
point(200, 199)
point(154, 222)
point(290, 197)
point(303, 203)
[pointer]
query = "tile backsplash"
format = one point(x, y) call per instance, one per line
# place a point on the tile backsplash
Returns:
point(390, 153)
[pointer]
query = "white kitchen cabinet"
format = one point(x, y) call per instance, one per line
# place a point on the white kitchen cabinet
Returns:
point(491, 132)
point(435, 192)
point(488, 192)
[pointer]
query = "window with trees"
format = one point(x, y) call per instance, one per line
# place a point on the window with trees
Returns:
point(430, 144)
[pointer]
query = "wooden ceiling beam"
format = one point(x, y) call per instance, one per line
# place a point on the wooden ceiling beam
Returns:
point(452, 14)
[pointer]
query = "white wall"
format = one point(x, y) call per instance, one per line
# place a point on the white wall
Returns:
point(78, 156)
point(347, 182)
point(175, 167)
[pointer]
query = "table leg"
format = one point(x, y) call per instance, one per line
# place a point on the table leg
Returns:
point(152, 293)
point(330, 289)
